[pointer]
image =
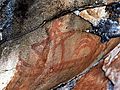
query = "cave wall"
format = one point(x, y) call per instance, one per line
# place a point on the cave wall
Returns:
point(41, 57)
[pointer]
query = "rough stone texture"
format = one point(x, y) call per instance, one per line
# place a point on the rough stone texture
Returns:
point(46, 10)
point(111, 67)
point(93, 80)
point(54, 59)
point(94, 15)
point(100, 76)
point(8, 67)
point(53, 53)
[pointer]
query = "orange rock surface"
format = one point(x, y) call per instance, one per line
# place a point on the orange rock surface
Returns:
point(93, 80)
point(97, 79)
point(56, 52)
point(111, 67)
point(59, 57)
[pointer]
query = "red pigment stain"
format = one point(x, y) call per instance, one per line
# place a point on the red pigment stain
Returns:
point(57, 38)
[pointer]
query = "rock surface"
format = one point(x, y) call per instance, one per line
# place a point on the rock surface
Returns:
point(59, 57)
point(104, 76)
point(111, 67)
point(94, 80)
point(53, 53)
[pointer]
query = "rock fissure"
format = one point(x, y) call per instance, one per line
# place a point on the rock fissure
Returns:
point(7, 36)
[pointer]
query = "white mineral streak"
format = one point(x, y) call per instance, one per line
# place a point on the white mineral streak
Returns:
point(113, 54)
point(77, 12)
point(0, 35)
point(8, 68)
point(111, 72)
point(92, 15)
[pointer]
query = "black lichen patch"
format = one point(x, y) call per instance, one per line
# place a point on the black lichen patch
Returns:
point(21, 8)
point(9, 10)
point(109, 28)
point(114, 9)
point(106, 29)
point(7, 19)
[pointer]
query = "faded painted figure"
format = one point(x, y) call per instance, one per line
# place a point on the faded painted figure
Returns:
point(44, 56)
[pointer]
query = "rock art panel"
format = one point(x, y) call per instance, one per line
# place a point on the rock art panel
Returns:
point(55, 52)
point(62, 55)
